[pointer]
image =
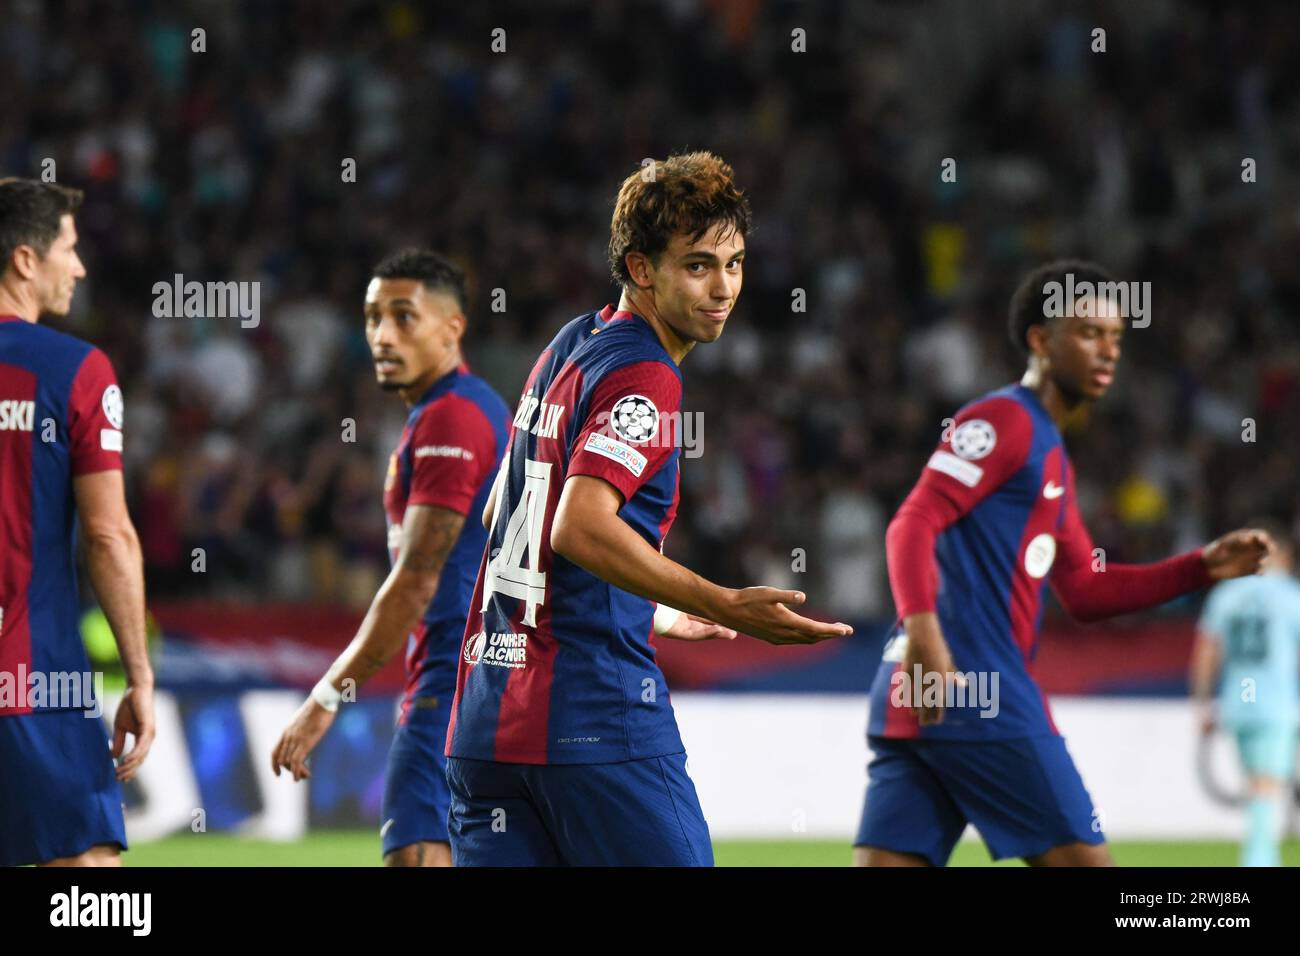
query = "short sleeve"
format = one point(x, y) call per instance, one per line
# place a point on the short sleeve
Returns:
point(95, 413)
point(632, 425)
point(453, 450)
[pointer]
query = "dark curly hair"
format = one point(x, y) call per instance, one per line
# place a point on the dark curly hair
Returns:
point(687, 193)
point(1027, 303)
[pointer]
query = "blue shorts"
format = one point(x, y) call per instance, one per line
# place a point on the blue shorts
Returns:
point(1024, 796)
point(58, 793)
point(416, 797)
point(633, 813)
point(1267, 750)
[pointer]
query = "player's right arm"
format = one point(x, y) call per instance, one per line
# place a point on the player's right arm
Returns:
point(588, 531)
point(115, 566)
point(428, 535)
point(604, 472)
point(442, 491)
point(987, 443)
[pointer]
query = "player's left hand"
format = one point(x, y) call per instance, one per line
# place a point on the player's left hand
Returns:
point(300, 738)
point(688, 627)
point(1237, 553)
point(135, 717)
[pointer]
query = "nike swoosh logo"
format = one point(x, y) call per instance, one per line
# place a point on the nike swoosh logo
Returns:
point(1053, 490)
point(383, 831)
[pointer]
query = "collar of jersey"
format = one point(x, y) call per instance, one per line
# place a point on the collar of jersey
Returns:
point(1032, 397)
point(442, 384)
point(11, 318)
point(610, 314)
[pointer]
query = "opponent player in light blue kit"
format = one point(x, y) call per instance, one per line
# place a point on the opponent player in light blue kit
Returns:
point(1250, 637)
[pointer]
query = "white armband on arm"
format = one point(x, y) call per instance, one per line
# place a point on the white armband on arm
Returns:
point(665, 618)
point(325, 694)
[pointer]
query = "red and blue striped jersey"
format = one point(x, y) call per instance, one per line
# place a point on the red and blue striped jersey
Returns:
point(447, 457)
point(991, 521)
point(558, 666)
point(60, 417)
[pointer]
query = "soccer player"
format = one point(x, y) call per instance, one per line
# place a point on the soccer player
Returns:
point(60, 468)
point(441, 471)
point(1249, 635)
point(960, 730)
point(563, 747)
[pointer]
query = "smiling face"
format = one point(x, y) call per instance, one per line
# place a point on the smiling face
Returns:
point(694, 285)
point(55, 276)
point(1080, 353)
point(414, 333)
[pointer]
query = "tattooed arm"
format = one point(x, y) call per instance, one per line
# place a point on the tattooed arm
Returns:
point(428, 534)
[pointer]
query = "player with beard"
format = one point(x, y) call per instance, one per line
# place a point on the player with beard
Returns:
point(441, 471)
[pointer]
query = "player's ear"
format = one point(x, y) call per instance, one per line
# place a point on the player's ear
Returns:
point(23, 261)
point(1036, 338)
point(639, 269)
point(457, 323)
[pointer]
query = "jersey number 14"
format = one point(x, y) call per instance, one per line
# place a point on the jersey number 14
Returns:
point(506, 573)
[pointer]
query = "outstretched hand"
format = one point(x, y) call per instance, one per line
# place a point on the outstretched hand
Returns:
point(764, 613)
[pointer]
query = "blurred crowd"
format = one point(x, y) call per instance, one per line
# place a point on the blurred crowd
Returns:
point(876, 288)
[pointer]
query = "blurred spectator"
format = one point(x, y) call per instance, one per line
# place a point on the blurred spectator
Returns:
point(231, 165)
